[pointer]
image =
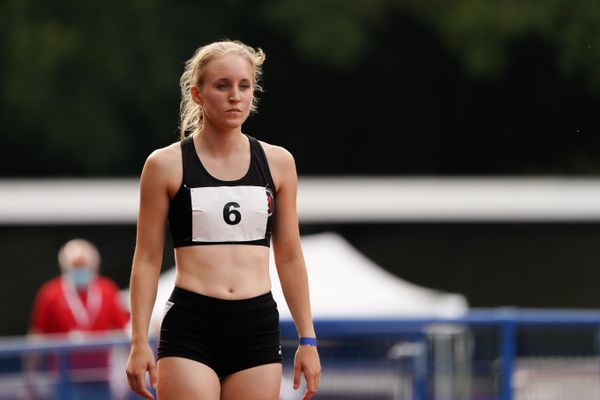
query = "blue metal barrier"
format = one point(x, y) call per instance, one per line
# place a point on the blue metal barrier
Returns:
point(507, 322)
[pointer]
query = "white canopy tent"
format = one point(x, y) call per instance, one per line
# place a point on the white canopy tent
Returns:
point(344, 284)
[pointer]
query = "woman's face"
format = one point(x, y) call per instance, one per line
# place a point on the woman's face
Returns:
point(227, 92)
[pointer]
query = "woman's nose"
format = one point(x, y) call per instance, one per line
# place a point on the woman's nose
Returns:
point(234, 96)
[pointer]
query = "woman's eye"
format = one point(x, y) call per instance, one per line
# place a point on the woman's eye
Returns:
point(222, 86)
point(245, 86)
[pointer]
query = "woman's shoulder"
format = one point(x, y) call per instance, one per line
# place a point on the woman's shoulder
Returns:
point(164, 164)
point(281, 163)
point(277, 155)
point(165, 155)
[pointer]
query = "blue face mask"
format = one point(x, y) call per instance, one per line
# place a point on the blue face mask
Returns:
point(81, 277)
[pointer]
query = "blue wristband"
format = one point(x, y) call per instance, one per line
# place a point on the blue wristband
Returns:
point(308, 341)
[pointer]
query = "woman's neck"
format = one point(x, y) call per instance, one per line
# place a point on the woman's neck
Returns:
point(220, 141)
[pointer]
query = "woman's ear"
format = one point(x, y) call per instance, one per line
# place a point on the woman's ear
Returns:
point(196, 96)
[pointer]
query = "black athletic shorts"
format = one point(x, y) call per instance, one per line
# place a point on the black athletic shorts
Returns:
point(226, 335)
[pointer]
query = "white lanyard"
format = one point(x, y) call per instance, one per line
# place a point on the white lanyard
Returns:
point(84, 314)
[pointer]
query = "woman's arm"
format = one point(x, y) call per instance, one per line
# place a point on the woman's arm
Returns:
point(145, 270)
point(291, 267)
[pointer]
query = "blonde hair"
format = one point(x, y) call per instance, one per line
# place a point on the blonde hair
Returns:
point(190, 112)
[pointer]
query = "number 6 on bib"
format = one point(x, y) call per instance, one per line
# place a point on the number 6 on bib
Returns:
point(231, 216)
point(229, 213)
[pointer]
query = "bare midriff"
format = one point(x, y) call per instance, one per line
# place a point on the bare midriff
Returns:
point(230, 272)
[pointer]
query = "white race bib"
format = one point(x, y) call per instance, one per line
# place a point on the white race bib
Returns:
point(229, 213)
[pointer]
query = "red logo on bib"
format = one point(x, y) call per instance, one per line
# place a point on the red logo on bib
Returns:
point(270, 202)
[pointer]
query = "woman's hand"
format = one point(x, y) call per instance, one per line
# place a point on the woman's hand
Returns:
point(141, 359)
point(307, 361)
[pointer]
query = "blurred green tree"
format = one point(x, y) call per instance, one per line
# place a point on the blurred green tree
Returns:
point(483, 31)
point(334, 32)
point(480, 32)
point(79, 78)
point(87, 88)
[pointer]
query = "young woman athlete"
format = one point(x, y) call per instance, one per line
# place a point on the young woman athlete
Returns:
point(225, 196)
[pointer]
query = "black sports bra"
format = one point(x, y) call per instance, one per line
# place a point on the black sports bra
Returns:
point(208, 211)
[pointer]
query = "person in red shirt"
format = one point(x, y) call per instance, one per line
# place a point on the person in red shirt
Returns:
point(79, 300)
point(80, 303)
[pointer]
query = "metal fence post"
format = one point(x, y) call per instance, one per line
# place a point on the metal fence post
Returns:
point(420, 365)
point(63, 389)
point(507, 352)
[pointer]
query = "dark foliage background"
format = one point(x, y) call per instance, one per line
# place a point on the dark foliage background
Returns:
point(426, 87)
